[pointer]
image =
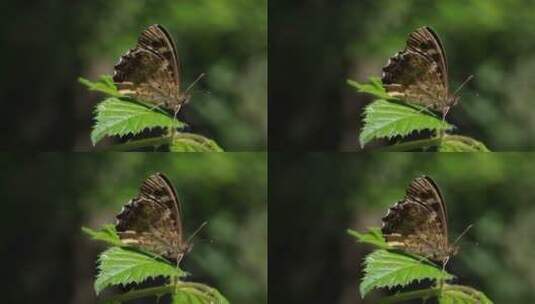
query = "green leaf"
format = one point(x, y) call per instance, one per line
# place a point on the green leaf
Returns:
point(373, 237)
point(383, 119)
point(104, 84)
point(199, 294)
point(375, 87)
point(116, 117)
point(388, 269)
point(458, 143)
point(188, 142)
point(122, 266)
point(121, 116)
point(106, 234)
point(182, 297)
point(458, 294)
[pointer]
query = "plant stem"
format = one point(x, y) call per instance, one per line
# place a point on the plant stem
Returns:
point(412, 145)
point(164, 140)
point(192, 136)
point(418, 294)
point(142, 293)
point(195, 288)
point(466, 289)
point(142, 143)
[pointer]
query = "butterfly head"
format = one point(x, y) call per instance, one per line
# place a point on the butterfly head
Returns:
point(453, 250)
point(183, 98)
point(188, 248)
point(453, 100)
point(185, 248)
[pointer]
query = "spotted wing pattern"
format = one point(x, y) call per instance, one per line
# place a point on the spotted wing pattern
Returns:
point(151, 71)
point(152, 220)
point(418, 223)
point(419, 73)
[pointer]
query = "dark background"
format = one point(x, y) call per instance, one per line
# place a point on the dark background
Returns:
point(47, 198)
point(46, 45)
point(315, 198)
point(315, 46)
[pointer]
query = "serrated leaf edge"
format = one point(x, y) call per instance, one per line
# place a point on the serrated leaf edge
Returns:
point(370, 109)
point(100, 283)
point(365, 289)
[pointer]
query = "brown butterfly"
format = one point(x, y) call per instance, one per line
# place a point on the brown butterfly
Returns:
point(419, 223)
point(419, 73)
point(150, 72)
point(153, 220)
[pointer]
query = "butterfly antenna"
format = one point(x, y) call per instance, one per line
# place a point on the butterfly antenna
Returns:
point(192, 236)
point(463, 84)
point(195, 82)
point(462, 234)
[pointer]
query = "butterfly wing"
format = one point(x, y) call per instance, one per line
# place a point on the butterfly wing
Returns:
point(150, 71)
point(157, 38)
point(426, 192)
point(159, 189)
point(152, 220)
point(417, 223)
point(426, 41)
point(418, 74)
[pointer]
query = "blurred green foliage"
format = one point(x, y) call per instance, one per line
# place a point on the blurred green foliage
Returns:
point(334, 192)
point(48, 197)
point(122, 118)
point(489, 191)
point(47, 45)
point(227, 39)
point(491, 39)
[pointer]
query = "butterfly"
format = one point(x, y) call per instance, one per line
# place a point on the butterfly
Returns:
point(419, 73)
point(152, 220)
point(150, 72)
point(418, 224)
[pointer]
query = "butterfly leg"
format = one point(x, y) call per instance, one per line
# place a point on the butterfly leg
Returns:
point(425, 258)
point(174, 279)
point(441, 282)
point(444, 113)
point(159, 105)
point(176, 110)
point(426, 108)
